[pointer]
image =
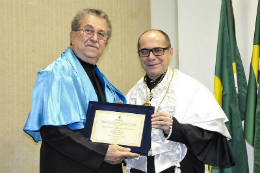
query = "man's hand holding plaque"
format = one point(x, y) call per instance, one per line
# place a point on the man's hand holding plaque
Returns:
point(116, 154)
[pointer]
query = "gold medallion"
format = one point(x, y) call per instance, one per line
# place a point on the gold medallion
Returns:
point(147, 104)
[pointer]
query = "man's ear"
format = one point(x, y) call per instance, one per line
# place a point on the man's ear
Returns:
point(171, 51)
point(72, 36)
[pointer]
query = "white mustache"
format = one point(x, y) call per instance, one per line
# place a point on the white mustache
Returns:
point(92, 44)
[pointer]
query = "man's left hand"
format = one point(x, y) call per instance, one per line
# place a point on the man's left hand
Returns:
point(162, 121)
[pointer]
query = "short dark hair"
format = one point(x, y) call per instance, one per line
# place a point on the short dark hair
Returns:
point(167, 39)
point(76, 22)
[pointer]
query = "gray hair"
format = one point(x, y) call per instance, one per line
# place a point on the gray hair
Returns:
point(76, 22)
point(166, 37)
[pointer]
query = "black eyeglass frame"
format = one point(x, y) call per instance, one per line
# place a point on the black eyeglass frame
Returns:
point(151, 50)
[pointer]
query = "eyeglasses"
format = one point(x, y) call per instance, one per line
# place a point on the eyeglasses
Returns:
point(90, 33)
point(158, 51)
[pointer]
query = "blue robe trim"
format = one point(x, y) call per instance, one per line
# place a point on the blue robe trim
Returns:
point(61, 94)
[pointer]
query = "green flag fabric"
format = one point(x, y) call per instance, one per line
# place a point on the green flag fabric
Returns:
point(230, 88)
point(252, 118)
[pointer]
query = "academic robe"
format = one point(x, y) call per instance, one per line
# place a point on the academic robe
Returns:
point(198, 123)
point(58, 114)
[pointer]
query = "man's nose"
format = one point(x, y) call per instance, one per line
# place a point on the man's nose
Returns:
point(151, 56)
point(94, 37)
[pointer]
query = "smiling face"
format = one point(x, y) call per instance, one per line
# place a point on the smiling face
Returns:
point(154, 65)
point(89, 49)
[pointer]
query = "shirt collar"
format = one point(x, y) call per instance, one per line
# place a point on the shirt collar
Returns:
point(152, 83)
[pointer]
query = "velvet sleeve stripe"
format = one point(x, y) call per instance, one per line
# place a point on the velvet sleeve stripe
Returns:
point(209, 147)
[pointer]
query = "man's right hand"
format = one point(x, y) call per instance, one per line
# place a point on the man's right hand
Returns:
point(116, 154)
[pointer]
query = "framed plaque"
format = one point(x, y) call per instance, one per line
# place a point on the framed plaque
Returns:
point(122, 124)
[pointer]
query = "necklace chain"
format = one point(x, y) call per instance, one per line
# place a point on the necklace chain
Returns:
point(166, 92)
point(147, 103)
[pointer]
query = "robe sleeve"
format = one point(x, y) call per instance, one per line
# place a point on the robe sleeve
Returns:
point(74, 145)
point(209, 147)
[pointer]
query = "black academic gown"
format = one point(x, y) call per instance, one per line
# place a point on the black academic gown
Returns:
point(67, 151)
point(203, 146)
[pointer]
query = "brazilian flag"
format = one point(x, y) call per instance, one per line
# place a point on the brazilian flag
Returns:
point(252, 118)
point(230, 88)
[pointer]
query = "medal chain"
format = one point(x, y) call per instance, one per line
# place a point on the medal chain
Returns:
point(147, 103)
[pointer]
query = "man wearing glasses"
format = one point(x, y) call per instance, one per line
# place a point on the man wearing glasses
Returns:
point(60, 99)
point(188, 126)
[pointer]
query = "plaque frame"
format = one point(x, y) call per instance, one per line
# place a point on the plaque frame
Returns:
point(136, 109)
